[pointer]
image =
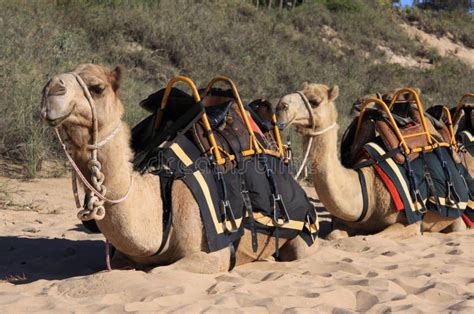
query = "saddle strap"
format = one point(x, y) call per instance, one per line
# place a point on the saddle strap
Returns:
point(365, 197)
point(165, 187)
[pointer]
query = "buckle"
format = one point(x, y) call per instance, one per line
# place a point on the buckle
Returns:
point(228, 216)
point(451, 192)
point(311, 223)
point(278, 204)
point(419, 200)
point(246, 198)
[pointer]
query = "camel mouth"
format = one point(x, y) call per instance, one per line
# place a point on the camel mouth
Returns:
point(302, 123)
point(57, 121)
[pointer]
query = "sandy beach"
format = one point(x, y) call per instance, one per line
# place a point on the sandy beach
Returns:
point(49, 263)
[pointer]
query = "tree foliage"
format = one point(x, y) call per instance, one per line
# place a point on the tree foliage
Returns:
point(450, 5)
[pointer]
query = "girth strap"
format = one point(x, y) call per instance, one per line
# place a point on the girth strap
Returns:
point(365, 197)
point(449, 182)
point(429, 181)
point(165, 187)
point(417, 198)
point(224, 204)
point(279, 208)
point(378, 159)
point(248, 206)
point(233, 246)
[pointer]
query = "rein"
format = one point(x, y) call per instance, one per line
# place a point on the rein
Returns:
point(311, 133)
point(96, 195)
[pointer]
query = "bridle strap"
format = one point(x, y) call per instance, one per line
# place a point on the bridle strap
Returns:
point(105, 140)
point(308, 107)
point(79, 173)
point(310, 143)
point(93, 146)
point(320, 132)
point(311, 133)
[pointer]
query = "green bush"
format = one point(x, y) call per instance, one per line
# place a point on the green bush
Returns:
point(266, 52)
point(343, 5)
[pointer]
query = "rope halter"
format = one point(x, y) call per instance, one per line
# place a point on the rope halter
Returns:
point(96, 198)
point(312, 133)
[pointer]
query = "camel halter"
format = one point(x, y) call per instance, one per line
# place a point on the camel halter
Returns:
point(96, 195)
point(312, 133)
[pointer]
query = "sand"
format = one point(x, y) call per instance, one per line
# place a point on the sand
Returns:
point(49, 263)
point(444, 45)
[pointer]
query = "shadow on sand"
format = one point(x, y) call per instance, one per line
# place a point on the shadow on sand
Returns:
point(24, 260)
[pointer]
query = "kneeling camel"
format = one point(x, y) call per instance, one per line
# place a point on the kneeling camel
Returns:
point(339, 188)
point(134, 226)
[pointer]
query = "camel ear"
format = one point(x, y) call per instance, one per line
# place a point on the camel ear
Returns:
point(304, 85)
point(333, 93)
point(116, 77)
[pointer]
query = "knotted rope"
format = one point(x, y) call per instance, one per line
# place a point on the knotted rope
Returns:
point(96, 199)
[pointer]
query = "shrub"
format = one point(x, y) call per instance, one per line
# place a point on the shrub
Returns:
point(266, 52)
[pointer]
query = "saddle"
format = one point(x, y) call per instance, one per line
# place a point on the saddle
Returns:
point(402, 125)
point(392, 137)
point(231, 157)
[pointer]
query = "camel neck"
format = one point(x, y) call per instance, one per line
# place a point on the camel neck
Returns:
point(337, 187)
point(134, 226)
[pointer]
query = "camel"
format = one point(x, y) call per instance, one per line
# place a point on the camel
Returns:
point(468, 158)
point(339, 188)
point(135, 225)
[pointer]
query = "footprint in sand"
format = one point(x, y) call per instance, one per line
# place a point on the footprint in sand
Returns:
point(372, 274)
point(451, 243)
point(391, 267)
point(454, 252)
point(365, 301)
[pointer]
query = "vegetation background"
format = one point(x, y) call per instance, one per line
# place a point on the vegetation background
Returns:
point(267, 52)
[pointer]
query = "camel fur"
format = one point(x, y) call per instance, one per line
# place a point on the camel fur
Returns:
point(338, 187)
point(134, 227)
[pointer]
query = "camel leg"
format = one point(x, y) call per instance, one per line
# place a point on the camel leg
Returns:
point(456, 226)
point(399, 231)
point(295, 249)
point(201, 262)
point(433, 222)
point(337, 234)
point(340, 230)
point(121, 261)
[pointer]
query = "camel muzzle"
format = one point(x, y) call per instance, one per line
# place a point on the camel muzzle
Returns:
point(55, 106)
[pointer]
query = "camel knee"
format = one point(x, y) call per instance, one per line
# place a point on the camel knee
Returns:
point(337, 234)
point(202, 262)
point(457, 225)
point(400, 231)
point(295, 249)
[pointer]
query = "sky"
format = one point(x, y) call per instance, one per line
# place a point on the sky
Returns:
point(406, 2)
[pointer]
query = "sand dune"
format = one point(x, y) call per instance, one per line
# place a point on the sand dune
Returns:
point(49, 263)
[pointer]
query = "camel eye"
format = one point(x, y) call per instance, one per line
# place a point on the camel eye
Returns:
point(283, 106)
point(315, 102)
point(96, 89)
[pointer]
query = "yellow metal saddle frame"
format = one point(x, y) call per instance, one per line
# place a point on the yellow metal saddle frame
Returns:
point(431, 140)
point(220, 155)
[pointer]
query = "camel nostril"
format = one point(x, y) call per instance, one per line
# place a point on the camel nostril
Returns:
point(57, 87)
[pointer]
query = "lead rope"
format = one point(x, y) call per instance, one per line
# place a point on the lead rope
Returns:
point(310, 143)
point(107, 255)
point(95, 209)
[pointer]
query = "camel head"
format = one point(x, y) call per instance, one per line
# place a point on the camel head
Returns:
point(291, 108)
point(65, 104)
